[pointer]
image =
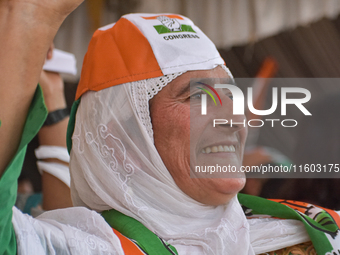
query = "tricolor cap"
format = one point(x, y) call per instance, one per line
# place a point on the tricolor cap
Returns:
point(142, 46)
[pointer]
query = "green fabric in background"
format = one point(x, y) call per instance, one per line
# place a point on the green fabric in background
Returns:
point(9, 180)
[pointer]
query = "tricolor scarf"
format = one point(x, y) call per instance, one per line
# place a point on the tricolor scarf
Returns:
point(321, 224)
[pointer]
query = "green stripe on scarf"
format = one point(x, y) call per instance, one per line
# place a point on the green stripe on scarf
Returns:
point(135, 230)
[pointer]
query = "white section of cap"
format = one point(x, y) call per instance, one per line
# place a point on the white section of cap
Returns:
point(177, 51)
point(61, 62)
point(106, 27)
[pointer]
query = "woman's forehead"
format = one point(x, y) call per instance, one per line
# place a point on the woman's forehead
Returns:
point(182, 84)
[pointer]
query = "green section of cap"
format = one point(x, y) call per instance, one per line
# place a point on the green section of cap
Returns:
point(164, 30)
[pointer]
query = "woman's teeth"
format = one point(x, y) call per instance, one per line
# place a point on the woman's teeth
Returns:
point(220, 148)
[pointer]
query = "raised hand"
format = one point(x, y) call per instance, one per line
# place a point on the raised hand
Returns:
point(27, 29)
point(58, 7)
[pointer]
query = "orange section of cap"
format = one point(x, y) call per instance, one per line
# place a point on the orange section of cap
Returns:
point(171, 16)
point(129, 247)
point(115, 56)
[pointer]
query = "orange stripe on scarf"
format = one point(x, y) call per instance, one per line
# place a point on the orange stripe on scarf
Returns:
point(129, 247)
point(298, 206)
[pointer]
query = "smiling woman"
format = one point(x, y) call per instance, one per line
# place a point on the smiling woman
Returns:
point(139, 144)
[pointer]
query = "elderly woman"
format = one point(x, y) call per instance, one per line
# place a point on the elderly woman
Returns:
point(132, 149)
point(140, 166)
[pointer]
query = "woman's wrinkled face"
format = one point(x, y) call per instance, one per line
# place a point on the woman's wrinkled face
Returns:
point(182, 144)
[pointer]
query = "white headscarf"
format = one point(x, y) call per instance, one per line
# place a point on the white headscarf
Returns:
point(114, 164)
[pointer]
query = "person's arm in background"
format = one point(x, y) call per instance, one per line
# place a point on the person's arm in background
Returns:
point(27, 29)
point(56, 194)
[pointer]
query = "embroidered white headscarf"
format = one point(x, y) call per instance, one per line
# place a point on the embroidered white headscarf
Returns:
point(114, 164)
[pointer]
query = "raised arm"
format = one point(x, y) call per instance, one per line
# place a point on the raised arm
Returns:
point(27, 28)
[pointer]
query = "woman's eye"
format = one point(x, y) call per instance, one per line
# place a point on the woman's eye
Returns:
point(196, 96)
point(228, 93)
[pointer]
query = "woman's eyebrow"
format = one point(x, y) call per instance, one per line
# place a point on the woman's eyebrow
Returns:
point(191, 84)
point(184, 90)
